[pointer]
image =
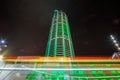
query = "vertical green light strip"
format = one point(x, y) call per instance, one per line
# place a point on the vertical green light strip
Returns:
point(69, 36)
point(63, 35)
point(68, 33)
point(73, 54)
point(50, 38)
point(55, 46)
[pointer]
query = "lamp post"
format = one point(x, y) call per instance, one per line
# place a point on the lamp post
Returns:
point(3, 44)
point(116, 44)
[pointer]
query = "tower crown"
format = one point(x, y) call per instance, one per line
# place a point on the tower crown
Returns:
point(59, 42)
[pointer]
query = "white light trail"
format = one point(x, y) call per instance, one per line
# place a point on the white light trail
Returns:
point(58, 69)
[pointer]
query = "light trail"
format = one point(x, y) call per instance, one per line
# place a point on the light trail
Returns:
point(88, 60)
point(100, 77)
point(57, 69)
point(85, 77)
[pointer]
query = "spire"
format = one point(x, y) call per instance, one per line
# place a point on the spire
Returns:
point(59, 42)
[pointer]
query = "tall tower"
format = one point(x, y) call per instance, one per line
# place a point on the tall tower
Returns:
point(59, 42)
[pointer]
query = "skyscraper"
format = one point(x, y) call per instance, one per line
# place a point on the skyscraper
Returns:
point(59, 42)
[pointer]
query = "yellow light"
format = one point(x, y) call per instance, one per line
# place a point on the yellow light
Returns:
point(1, 57)
point(62, 59)
point(118, 48)
point(117, 44)
point(114, 41)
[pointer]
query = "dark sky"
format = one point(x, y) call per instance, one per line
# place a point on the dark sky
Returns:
point(26, 24)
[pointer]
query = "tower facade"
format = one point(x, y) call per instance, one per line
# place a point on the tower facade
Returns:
point(59, 41)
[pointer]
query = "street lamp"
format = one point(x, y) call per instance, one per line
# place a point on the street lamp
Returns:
point(3, 44)
point(116, 43)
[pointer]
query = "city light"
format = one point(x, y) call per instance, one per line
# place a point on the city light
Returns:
point(57, 69)
point(1, 57)
point(60, 62)
point(112, 37)
point(116, 55)
point(116, 43)
point(3, 44)
point(2, 41)
point(119, 48)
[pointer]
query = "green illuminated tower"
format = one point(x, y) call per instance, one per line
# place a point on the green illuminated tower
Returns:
point(59, 42)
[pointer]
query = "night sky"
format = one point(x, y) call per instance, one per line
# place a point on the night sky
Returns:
point(26, 23)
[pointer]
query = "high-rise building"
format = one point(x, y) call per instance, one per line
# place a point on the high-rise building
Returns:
point(59, 42)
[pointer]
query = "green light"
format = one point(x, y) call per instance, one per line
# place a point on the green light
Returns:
point(107, 64)
point(111, 79)
point(118, 71)
point(100, 72)
point(72, 78)
point(61, 72)
point(93, 72)
point(96, 79)
point(119, 79)
point(104, 79)
point(59, 42)
point(54, 72)
point(81, 72)
point(55, 10)
point(113, 72)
